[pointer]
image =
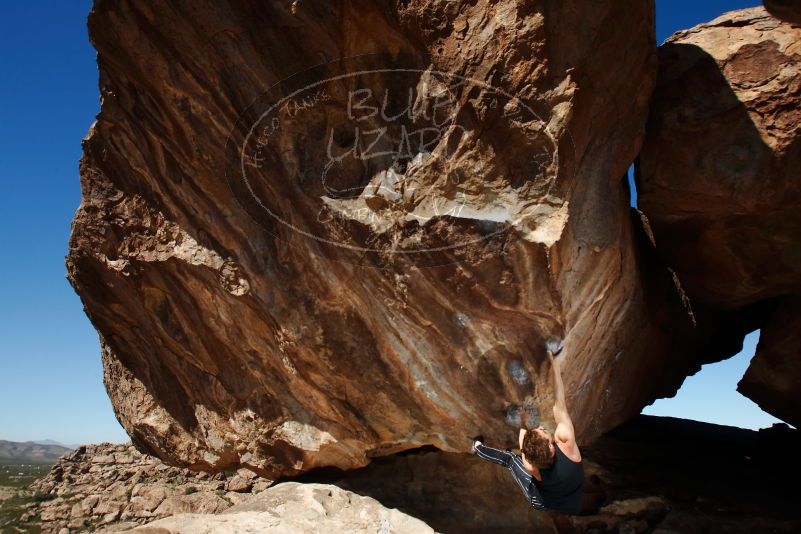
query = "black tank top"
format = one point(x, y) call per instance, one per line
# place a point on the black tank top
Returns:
point(561, 484)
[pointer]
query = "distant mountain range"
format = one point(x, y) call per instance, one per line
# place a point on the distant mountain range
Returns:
point(33, 452)
point(54, 442)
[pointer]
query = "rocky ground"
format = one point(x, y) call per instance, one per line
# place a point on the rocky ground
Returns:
point(295, 508)
point(14, 493)
point(651, 475)
point(109, 487)
point(115, 488)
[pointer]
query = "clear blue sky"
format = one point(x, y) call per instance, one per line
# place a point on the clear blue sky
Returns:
point(50, 373)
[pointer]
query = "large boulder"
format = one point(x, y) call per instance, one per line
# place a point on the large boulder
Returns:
point(320, 232)
point(718, 180)
point(718, 167)
point(773, 376)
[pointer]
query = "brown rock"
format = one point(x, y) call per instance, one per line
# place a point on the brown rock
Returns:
point(638, 505)
point(110, 517)
point(718, 165)
point(411, 317)
point(718, 182)
point(90, 502)
point(239, 484)
point(147, 499)
point(260, 486)
point(108, 506)
point(123, 459)
point(98, 500)
point(296, 508)
point(121, 526)
point(774, 374)
point(77, 510)
point(236, 498)
point(202, 502)
point(76, 522)
point(658, 456)
point(118, 491)
point(247, 474)
point(52, 513)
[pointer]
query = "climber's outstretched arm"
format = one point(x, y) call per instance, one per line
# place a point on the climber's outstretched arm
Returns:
point(564, 425)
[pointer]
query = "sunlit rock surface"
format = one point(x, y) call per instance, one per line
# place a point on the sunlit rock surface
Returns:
point(293, 508)
point(719, 184)
point(314, 232)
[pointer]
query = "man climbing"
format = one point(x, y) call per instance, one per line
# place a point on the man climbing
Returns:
point(550, 471)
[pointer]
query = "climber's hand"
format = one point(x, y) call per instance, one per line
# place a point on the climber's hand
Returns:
point(554, 347)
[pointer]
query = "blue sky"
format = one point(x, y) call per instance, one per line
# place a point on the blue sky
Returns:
point(50, 374)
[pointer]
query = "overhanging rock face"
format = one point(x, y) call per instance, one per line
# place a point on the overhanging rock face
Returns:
point(316, 232)
point(719, 183)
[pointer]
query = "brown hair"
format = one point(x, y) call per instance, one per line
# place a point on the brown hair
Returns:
point(537, 449)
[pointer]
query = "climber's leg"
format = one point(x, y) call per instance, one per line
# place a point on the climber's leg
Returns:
point(497, 456)
point(513, 462)
point(526, 482)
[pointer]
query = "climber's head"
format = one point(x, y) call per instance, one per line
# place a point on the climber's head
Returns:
point(539, 447)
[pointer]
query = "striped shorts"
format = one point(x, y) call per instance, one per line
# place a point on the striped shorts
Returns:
point(515, 464)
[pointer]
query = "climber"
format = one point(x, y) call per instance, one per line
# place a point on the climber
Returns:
point(549, 471)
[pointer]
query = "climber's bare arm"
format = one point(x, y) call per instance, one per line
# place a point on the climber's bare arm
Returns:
point(564, 425)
